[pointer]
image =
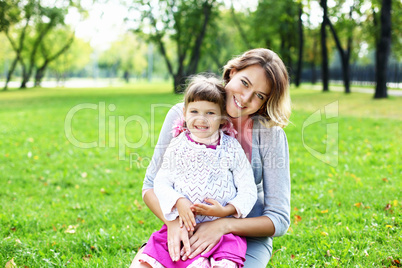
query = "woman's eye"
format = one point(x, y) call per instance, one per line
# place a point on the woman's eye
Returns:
point(261, 97)
point(244, 83)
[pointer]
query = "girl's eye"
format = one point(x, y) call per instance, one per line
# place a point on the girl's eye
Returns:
point(261, 97)
point(193, 112)
point(244, 83)
point(211, 113)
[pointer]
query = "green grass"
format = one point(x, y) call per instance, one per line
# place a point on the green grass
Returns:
point(64, 205)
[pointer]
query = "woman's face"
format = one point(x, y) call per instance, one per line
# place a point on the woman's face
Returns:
point(247, 91)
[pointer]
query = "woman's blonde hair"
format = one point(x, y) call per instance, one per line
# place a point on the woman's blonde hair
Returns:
point(276, 110)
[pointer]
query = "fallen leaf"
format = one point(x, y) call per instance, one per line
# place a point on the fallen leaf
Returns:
point(388, 226)
point(385, 179)
point(387, 207)
point(296, 209)
point(103, 191)
point(324, 233)
point(297, 219)
point(328, 253)
point(292, 256)
point(324, 211)
point(137, 204)
point(141, 222)
point(84, 174)
point(10, 264)
point(87, 257)
point(358, 204)
point(18, 241)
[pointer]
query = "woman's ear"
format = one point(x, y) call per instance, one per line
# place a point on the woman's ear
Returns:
point(232, 72)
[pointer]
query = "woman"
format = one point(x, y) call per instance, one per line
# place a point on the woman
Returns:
point(258, 102)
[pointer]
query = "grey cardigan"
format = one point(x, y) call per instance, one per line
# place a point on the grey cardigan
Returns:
point(269, 160)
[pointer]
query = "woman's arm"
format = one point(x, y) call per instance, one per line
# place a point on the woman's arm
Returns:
point(208, 234)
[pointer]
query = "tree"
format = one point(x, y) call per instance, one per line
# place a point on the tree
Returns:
point(301, 46)
point(275, 26)
point(347, 25)
point(127, 55)
point(324, 50)
point(185, 23)
point(73, 60)
point(56, 44)
point(383, 51)
point(17, 45)
point(9, 14)
point(46, 19)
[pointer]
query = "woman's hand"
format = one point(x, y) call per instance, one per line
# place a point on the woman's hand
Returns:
point(176, 235)
point(205, 237)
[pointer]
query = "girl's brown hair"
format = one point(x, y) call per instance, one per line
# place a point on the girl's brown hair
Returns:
point(205, 88)
point(277, 108)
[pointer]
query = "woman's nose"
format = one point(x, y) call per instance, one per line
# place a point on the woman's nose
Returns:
point(246, 96)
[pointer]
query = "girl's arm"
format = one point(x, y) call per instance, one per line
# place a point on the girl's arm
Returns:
point(176, 235)
point(150, 199)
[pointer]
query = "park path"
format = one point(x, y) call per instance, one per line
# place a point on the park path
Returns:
point(391, 92)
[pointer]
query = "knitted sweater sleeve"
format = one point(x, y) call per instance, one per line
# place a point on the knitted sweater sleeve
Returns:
point(246, 195)
point(164, 184)
point(165, 137)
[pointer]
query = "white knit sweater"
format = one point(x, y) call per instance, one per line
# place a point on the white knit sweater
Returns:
point(195, 172)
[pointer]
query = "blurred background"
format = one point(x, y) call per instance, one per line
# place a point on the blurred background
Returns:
point(76, 43)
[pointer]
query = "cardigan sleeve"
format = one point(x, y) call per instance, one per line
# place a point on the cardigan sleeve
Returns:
point(276, 177)
point(165, 136)
point(164, 185)
point(246, 195)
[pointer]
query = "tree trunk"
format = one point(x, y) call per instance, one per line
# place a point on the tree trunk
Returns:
point(10, 72)
point(383, 51)
point(301, 44)
point(324, 52)
point(40, 73)
point(179, 81)
point(345, 55)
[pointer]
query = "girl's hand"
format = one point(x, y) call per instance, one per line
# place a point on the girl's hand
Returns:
point(176, 235)
point(205, 237)
point(215, 209)
point(186, 216)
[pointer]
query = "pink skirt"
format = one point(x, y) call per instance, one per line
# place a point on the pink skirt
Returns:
point(230, 247)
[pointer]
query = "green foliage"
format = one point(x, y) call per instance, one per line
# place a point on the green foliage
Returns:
point(74, 59)
point(64, 205)
point(128, 54)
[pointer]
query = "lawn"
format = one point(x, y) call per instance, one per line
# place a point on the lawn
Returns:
point(66, 205)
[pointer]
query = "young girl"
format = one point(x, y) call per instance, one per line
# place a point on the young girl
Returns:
point(206, 172)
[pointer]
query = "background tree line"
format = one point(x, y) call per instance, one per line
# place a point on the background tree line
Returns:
point(185, 37)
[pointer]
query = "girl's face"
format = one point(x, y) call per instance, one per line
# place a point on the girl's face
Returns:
point(203, 118)
point(247, 91)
